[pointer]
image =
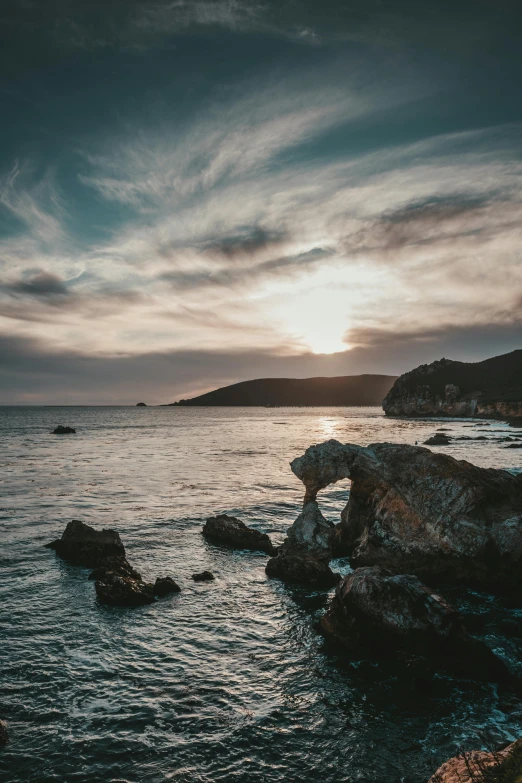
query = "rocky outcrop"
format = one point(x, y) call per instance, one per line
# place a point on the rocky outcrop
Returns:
point(117, 583)
point(223, 529)
point(424, 513)
point(61, 430)
point(488, 389)
point(379, 613)
point(165, 585)
point(4, 734)
point(203, 576)
point(438, 440)
point(304, 556)
point(470, 767)
point(116, 587)
point(141, 404)
point(82, 545)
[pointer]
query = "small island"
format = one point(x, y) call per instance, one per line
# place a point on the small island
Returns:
point(141, 404)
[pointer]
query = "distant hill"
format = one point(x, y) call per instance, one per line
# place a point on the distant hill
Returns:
point(344, 390)
point(489, 389)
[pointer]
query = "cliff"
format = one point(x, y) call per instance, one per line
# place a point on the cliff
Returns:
point(343, 390)
point(488, 389)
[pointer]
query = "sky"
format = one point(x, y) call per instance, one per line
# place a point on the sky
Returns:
point(195, 193)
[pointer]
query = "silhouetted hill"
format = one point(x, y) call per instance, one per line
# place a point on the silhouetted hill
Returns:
point(344, 390)
point(492, 388)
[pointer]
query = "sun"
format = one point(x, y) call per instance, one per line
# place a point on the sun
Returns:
point(322, 342)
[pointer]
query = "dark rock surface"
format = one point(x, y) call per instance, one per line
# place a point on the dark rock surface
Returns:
point(61, 430)
point(438, 440)
point(4, 734)
point(116, 589)
point(141, 404)
point(81, 544)
point(488, 389)
point(306, 551)
point(419, 512)
point(204, 576)
point(223, 529)
point(299, 568)
point(377, 613)
point(165, 585)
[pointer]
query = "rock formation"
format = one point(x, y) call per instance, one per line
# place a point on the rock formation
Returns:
point(141, 404)
point(470, 767)
point(165, 585)
point(61, 430)
point(4, 734)
point(379, 613)
point(439, 439)
point(203, 576)
point(223, 529)
point(117, 583)
point(305, 553)
point(424, 513)
point(488, 389)
point(81, 544)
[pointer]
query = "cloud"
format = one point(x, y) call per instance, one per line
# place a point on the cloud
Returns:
point(43, 285)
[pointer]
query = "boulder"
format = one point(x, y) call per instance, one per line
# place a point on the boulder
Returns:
point(306, 551)
point(204, 576)
point(375, 612)
point(116, 565)
point(424, 513)
point(438, 440)
point(4, 734)
point(82, 545)
point(61, 430)
point(474, 765)
point(223, 529)
point(115, 589)
point(299, 568)
point(165, 585)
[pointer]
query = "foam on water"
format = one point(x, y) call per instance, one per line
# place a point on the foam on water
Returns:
point(226, 681)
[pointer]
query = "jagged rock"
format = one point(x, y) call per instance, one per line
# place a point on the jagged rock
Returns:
point(165, 585)
point(223, 529)
point(306, 551)
point(117, 590)
point(81, 544)
point(4, 734)
point(60, 430)
point(299, 568)
point(204, 576)
point(488, 389)
point(437, 440)
point(377, 613)
point(420, 512)
point(116, 565)
point(470, 767)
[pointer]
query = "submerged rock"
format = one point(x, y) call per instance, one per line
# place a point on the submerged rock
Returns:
point(223, 529)
point(61, 430)
point(306, 551)
point(4, 734)
point(438, 440)
point(419, 512)
point(377, 613)
point(81, 544)
point(204, 576)
point(165, 585)
point(470, 767)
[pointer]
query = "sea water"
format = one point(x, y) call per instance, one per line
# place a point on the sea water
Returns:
point(227, 680)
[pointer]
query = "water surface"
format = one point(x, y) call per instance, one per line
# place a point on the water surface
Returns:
point(227, 681)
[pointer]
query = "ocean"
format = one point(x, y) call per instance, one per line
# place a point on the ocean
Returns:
point(228, 680)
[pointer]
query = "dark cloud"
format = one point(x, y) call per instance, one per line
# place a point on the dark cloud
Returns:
point(246, 243)
point(43, 285)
